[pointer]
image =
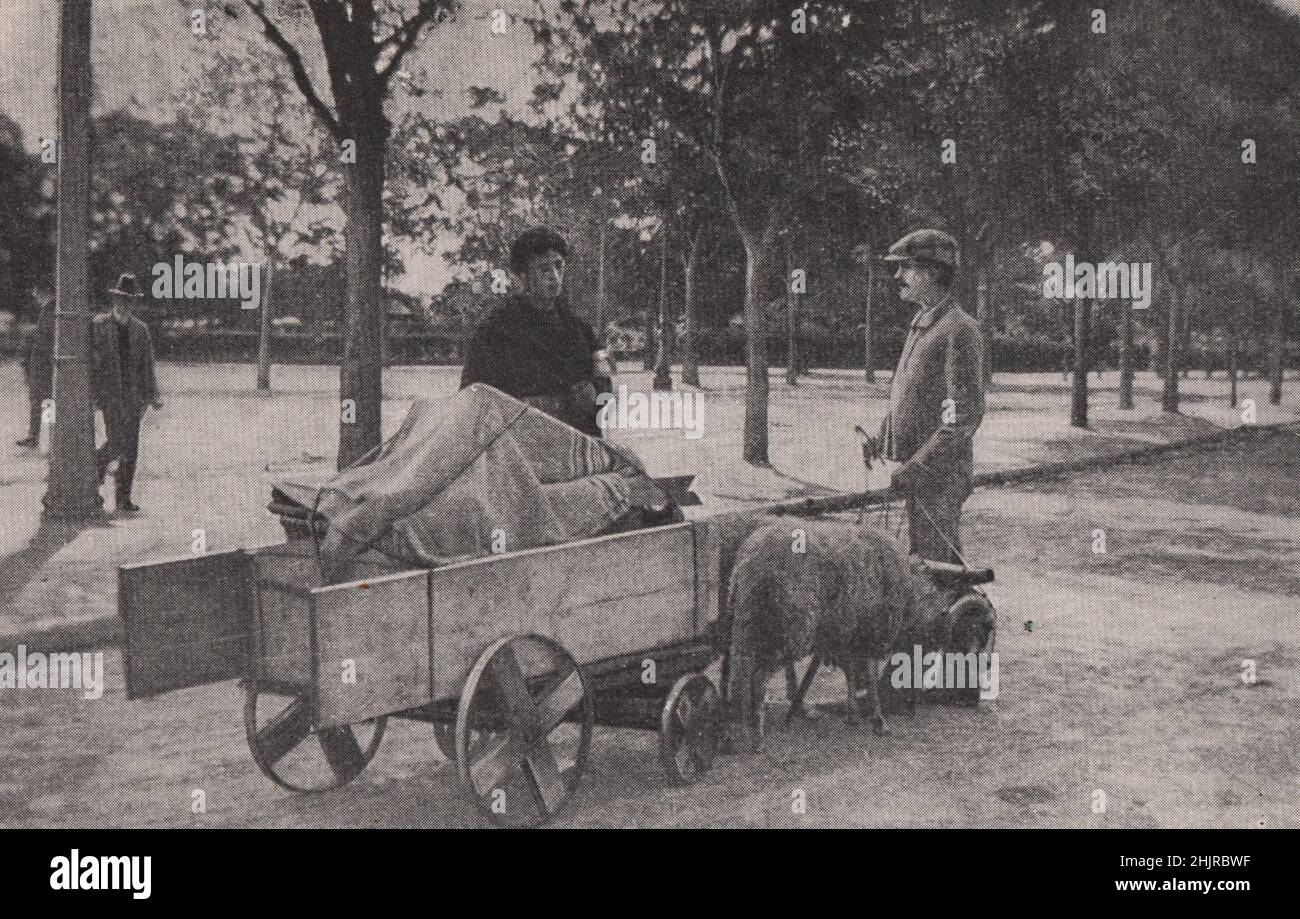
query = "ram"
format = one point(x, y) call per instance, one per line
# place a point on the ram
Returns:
point(845, 594)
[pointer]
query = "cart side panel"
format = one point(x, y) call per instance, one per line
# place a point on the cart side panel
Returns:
point(598, 598)
point(372, 644)
point(186, 621)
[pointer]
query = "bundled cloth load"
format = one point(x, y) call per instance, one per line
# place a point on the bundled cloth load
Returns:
point(476, 473)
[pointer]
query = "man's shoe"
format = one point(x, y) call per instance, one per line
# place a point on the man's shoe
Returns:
point(28, 442)
point(125, 505)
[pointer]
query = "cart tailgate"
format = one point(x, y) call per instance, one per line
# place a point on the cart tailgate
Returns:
point(186, 621)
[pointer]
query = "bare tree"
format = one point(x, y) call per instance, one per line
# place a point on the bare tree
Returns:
point(361, 63)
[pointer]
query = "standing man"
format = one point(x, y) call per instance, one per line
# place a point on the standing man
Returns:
point(38, 362)
point(124, 383)
point(532, 347)
point(936, 400)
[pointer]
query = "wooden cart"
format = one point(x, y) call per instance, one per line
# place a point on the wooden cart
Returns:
point(512, 658)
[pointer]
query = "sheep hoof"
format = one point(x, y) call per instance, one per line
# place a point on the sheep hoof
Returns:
point(726, 746)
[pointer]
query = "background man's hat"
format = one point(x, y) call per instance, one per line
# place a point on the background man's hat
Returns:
point(127, 286)
point(926, 245)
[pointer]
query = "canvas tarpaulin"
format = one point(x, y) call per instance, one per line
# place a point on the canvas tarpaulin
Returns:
point(465, 472)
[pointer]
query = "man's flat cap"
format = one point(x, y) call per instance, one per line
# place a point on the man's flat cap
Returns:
point(927, 246)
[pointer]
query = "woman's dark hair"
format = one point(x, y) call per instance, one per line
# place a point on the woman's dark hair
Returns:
point(534, 242)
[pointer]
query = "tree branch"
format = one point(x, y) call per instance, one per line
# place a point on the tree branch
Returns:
point(300, 77)
point(405, 36)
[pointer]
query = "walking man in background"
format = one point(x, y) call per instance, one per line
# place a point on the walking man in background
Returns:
point(124, 383)
point(38, 362)
point(936, 400)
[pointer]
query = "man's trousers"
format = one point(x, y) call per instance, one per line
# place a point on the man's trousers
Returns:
point(123, 445)
point(934, 515)
point(36, 407)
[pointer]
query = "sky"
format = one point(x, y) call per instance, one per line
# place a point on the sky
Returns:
point(144, 50)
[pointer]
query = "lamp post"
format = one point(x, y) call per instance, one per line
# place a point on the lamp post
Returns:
point(73, 489)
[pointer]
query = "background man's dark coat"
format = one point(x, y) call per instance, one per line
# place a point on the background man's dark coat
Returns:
point(122, 393)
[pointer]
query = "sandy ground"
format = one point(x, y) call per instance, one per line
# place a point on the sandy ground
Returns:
point(209, 457)
point(1128, 681)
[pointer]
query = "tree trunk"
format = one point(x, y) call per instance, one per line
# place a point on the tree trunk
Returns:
point(264, 333)
point(1185, 341)
point(361, 368)
point(1169, 395)
point(868, 339)
point(1276, 348)
point(1079, 388)
point(690, 360)
point(758, 258)
point(791, 320)
point(651, 339)
point(1232, 371)
point(600, 286)
point(1126, 354)
point(982, 315)
point(663, 377)
point(72, 490)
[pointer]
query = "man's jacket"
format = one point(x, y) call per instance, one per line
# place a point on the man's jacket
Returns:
point(536, 358)
point(936, 400)
point(114, 390)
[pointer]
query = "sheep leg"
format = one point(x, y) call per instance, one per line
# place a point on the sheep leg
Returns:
point(878, 723)
point(851, 678)
point(745, 700)
point(796, 701)
point(740, 701)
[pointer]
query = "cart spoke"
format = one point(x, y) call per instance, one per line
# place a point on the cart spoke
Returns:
point(558, 700)
point(548, 787)
point(342, 751)
point(510, 681)
point(285, 731)
point(490, 768)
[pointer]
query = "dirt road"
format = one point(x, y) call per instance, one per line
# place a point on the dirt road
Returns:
point(1128, 682)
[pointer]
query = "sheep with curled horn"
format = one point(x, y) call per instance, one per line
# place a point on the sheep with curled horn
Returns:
point(850, 597)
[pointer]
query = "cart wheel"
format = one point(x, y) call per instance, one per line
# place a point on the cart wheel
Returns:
point(444, 732)
point(276, 732)
point(688, 728)
point(517, 699)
